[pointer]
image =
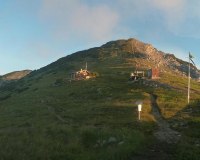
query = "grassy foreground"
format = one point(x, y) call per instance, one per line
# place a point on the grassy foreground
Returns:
point(95, 118)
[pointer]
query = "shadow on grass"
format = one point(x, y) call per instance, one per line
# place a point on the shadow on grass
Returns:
point(187, 123)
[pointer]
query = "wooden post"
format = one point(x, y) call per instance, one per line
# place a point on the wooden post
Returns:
point(139, 116)
point(139, 109)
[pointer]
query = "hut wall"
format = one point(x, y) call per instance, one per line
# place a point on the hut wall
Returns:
point(153, 73)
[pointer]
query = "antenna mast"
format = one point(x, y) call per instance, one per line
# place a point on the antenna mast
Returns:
point(189, 81)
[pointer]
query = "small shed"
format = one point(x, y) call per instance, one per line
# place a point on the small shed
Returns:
point(153, 73)
point(73, 75)
point(134, 76)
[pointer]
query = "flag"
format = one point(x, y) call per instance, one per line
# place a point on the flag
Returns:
point(191, 56)
point(193, 63)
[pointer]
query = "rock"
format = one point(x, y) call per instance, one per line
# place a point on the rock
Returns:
point(108, 98)
point(197, 143)
point(175, 125)
point(55, 85)
point(183, 123)
point(99, 90)
point(99, 141)
point(120, 143)
point(112, 139)
point(42, 101)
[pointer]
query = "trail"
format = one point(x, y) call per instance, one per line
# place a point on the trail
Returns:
point(166, 138)
point(165, 133)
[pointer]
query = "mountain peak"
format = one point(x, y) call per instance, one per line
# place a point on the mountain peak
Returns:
point(134, 48)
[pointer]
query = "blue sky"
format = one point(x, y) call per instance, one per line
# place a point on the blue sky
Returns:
point(34, 33)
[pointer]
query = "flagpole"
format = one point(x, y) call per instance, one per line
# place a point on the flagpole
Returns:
point(189, 81)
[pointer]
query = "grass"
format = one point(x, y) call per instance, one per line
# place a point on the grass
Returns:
point(76, 120)
point(88, 116)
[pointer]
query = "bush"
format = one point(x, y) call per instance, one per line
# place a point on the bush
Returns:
point(37, 79)
point(22, 89)
point(94, 74)
point(59, 81)
point(5, 97)
point(35, 89)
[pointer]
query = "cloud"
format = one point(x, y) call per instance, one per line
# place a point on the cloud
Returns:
point(72, 18)
point(181, 16)
point(97, 22)
point(173, 11)
point(168, 5)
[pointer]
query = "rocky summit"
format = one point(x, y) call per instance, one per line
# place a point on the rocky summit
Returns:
point(134, 48)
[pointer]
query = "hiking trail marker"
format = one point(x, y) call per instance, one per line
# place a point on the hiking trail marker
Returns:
point(139, 108)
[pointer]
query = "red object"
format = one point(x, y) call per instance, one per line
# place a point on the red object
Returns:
point(153, 73)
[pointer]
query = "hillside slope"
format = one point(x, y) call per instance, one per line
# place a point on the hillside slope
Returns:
point(120, 49)
point(98, 118)
point(15, 75)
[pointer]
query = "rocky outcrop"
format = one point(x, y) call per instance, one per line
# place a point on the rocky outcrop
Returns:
point(159, 58)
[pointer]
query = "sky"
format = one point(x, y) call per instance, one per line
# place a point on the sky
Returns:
point(35, 33)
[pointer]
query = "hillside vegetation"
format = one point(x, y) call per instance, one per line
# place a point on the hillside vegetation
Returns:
point(98, 118)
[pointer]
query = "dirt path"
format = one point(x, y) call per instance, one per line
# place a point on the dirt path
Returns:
point(165, 133)
point(163, 148)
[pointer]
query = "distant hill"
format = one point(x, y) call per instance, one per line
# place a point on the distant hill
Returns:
point(15, 75)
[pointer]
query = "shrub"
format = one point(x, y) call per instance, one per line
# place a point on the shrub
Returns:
point(5, 97)
point(35, 89)
point(22, 89)
point(94, 74)
point(37, 79)
point(59, 81)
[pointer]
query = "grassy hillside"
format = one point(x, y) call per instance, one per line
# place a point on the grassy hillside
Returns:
point(95, 118)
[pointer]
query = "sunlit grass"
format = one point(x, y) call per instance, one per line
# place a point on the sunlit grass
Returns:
point(69, 120)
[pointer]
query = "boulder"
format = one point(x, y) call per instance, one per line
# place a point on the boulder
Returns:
point(112, 139)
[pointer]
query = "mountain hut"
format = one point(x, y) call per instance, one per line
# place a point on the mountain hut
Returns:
point(79, 74)
point(153, 73)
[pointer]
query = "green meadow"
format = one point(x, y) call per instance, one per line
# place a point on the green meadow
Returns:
point(45, 116)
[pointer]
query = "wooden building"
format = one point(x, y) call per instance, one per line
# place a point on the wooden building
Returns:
point(153, 73)
point(79, 74)
point(135, 76)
